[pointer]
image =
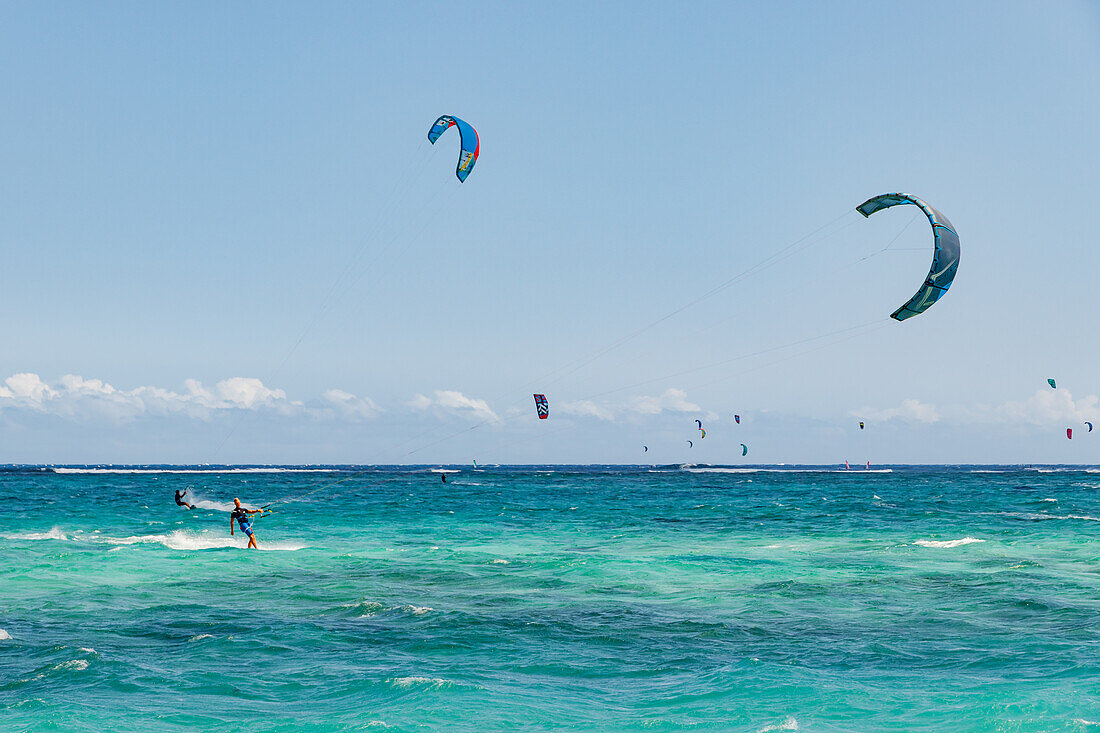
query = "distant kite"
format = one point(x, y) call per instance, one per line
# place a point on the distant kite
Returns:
point(542, 406)
point(945, 258)
point(1052, 384)
point(699, 423)
point(703, 433)
point(690, 444)
point(468, 139)
point(737, 419)
point(645, 449)
point(744, 450)
point(1089, 424)
point(1069, 433)
point(861, 425)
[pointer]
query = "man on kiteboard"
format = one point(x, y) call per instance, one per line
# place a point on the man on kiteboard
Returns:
point(179, 499)
point(240, 515)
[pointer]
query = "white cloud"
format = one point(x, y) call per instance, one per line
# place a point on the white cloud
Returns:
point(75, 397)
point(911, 410)
point(420, 402)
point(673, 400)
point(350, 405)
point(586, 408)
point(246, 392)
point(453, 401)
point(26, 388)
point(1046, 408)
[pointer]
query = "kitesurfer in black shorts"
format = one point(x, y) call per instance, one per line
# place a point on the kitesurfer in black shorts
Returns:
point(179, 499)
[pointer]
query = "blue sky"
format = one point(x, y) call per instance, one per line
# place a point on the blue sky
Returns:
point(188, 189)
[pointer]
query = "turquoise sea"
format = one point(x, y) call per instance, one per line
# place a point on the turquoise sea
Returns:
point(593, 598)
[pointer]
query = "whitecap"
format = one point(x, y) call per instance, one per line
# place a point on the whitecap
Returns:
point(788, 723)
point(716, 469)
point(417, 610)
point(433, 683)
point(53, 534)
point(499, 561)
point(75, 664)
point(219, 506)
point(181, 469)
point(4, 636)
point(200, 637)
point(185, 540)
point(947, 543)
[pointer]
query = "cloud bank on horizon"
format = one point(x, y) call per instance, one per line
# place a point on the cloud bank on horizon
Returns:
point(441, 425)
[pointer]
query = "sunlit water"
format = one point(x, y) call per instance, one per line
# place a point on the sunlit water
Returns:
point(930, 599)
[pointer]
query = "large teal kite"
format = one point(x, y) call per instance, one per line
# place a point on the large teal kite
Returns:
point(468, 140)
point(945, 260)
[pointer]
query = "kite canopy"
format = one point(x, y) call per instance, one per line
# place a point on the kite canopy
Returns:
point(690, 444)
point(703, 433)
point(467, 156)
point(1089, 424)
point(744, 449)
point(861, 425)
point(1052, 384)
point(542, 406)
point(1069, 433)
point(945, 259)
point(737, 419)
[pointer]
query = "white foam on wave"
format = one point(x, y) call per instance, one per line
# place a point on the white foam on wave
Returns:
point(4, 636)
point(53, 534)
point(501, 561)
point(432, 683)
point(218, 506)
point(417, 610)
point(947, 543)
point(788, 723)
point(78, 665)
point(200, 637)
point(786, 470)
point(985, 470)
point(182, 469)
point(184, 540)
point(443, 470)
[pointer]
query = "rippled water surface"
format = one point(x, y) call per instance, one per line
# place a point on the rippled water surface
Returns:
point(588, 598)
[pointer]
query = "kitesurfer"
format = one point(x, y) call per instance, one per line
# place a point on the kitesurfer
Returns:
point(444, 477)
point(179, 499)
point(241, 516)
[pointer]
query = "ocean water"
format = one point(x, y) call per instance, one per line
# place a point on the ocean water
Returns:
point(552, 598)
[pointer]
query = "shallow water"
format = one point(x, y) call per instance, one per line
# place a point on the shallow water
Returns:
point(543, 598)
